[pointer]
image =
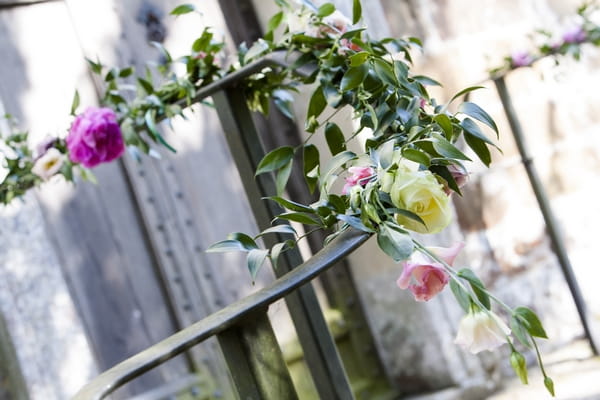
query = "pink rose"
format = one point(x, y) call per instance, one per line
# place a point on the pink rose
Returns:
point(359, 176)
point(95, 137)
point(429, 277)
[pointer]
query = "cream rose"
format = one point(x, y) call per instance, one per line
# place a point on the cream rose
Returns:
point(420, 193)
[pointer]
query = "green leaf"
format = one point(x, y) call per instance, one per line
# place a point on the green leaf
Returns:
point(425, 80)
point(275, 159)
point(532, 322)
point(75, 103)
point(354, 77)
point(549, 385)
point(335, 138)
point(310, 156)
point(303, 218)
point(325, 10)
point(247, 242)
point(443, 172)
point(472, 129)
point(256, 258)
point(385, 71)
point(465, 91)
point(444, 122)
point(477, 286)
point(125, 72)
point(359, 59)
point(291, 205)
point(339, 205)
point(277, 249)
point(520, 332)
point(183, 9)
point(225, 246)
point(447, 149)
point(283, 100)
point(275, 21)
point(283, 228)
point(282, 177)
point(462, 297)
point(416, 156)
point(147, 86)
point(480, 148)
point(150, 119)
point(356, 11)
point(317, 103)
point(95, 66)
point(473, 110)
point(395, 244)
point(354, 222)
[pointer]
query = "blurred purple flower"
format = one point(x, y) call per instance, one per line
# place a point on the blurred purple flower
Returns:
point(574, 35)
point(95, 137)
point(521, 59)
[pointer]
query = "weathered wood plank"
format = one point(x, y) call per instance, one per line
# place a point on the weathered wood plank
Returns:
point(96, 230)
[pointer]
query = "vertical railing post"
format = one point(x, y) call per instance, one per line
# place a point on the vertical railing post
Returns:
point(544, 204)
point(255, 360)
point(319, 348)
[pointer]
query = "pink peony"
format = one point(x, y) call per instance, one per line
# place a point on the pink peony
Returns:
point(95, 137)
point(360, 176)
point(429, 277)
point(575, 35)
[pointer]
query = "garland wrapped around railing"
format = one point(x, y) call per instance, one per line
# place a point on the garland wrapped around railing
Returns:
point(402, 181)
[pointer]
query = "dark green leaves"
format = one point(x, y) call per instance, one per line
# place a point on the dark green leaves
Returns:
point(275, 159)
point(317, 103)
point(394, 242)
point(356, 11)
point(335, 138)
point(531, 321)
point(474, 111)
point(353, 77)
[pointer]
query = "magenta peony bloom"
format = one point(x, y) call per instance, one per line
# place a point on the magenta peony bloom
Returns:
point(575, 35)
point(360, 176)
point(429, 277)
point(95, 137)
point(521, 59)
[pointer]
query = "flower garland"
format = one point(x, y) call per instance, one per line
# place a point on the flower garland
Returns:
point(402, 182)
point(568, 43)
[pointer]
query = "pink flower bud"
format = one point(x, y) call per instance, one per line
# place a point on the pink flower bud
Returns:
point(359, 176)
point(428, 277)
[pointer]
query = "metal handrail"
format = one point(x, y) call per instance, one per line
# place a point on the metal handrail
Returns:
point(117, 376)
